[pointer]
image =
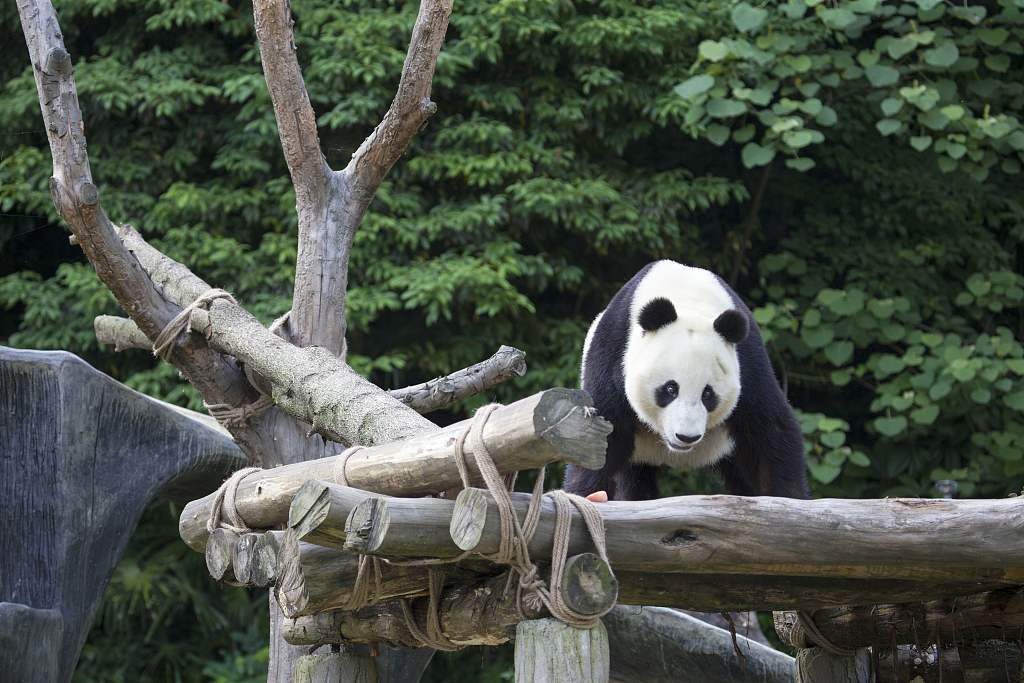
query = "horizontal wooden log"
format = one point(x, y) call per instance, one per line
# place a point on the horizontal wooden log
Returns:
point(983, 661)
point(436, 394)
point(990, 615)
point(481, 613)
point(658, 645)
point(553, 425)
point(313, 579)
point(844, 539)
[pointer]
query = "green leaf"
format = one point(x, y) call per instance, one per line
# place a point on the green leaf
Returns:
point(717, 134)
point(839, 353)
point(826, 117)
point(942, 55)
point(953, 112)
point(981, 395)
point(720, 108)
point(713, 51)
point(926, 415)
point(1015, 401)
point(859, 459)
point(993, 37)
point(898, 47)
point(998, 63)
point(888, 126)
point(890, 426)
point(838, 19)
point(1016, 364)
point(817, 337)
point(833, 439)
point(939, 390)
point(697, 85)
point(801, 164)
point(880, 75)
point(754, 155)
point(798, 139)
point(747, 18)
point(824, 472)
point(891, 105)
point(921, 142)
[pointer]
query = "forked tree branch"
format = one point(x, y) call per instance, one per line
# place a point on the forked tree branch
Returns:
point(77, 200)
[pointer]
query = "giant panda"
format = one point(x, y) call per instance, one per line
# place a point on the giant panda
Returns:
point(676, 364)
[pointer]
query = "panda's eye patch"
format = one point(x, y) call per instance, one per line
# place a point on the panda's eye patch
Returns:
point(666, 393)
point(709, 398)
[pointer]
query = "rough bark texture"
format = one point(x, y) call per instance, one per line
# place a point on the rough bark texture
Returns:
point(844, 539)
point(87, 455)
point(659, 645)
point(506, 363)
point(335, 667)
point(546, 427)
point(992, 615)
point(815, 665)
point(548, 651)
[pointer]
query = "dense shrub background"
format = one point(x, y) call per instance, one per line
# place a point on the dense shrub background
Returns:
point(852, 167)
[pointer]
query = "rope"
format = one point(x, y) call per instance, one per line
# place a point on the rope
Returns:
point(224, 504)
point(813, 634)
point(164, 342)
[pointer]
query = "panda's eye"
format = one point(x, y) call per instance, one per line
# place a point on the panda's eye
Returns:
point(666, 393)
point(709, 398)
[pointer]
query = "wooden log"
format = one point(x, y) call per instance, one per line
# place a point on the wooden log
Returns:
point(241, 557)
point(313, 579)
point(436, 394)
point(219, 550)
point(553, 425)
point(478, 613)
point(335, 667)
point(265, 558)
point(982, 661)
point(660, 645)
point(849, 539)
point(990, 615)
point(815, 665)
point(588, 585)
point(548, 651)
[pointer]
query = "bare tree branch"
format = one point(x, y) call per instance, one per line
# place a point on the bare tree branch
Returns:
point(411, 107)
point(296, 122)
point(77, 201)
point(506, 363)
point(121, 333)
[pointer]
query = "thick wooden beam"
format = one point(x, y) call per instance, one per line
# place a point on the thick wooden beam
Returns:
point(548, 651)
point(842, 539)
point(553, 425)
point(991, 615)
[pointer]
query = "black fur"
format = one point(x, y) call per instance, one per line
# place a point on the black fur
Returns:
point(768, 457)
point(656, 314)
point(732, 324)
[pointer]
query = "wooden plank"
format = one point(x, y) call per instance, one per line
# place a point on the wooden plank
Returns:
point(548, 651)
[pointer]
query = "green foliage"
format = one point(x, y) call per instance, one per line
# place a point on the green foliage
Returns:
point(932, 75)
point(574, 142)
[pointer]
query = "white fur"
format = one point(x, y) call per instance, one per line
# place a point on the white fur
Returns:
point(650, 449)
point(586, 343)
point(689, 351)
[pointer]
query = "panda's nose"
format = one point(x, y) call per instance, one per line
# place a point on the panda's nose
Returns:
point(689, 439)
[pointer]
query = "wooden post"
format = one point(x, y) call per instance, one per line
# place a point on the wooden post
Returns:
point(815, 665)
point(334, 667)
point(548, 651)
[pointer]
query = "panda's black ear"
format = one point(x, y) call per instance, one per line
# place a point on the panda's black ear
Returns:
point(657, 313)
point(732, 325)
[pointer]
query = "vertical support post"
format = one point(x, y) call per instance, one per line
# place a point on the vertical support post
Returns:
point(548, 651)
point(815, 665)
point(335, 667)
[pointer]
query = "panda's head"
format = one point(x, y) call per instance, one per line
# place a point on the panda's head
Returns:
point(682, 376)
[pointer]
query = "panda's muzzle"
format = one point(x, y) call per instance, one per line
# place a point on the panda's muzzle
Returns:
point(684, 442)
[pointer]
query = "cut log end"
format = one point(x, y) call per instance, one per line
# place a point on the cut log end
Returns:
point(567, 420)
point(219, 550)
point(367, 525)
point(309, 508)
point(588, 585)
point(468, 518)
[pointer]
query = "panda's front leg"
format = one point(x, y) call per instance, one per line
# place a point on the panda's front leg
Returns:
point(583, 482)
point(636, 482)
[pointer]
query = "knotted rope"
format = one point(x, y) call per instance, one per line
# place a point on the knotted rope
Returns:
point(513, 541)
point(806, 630)
point(164, 342)
point(224, 504)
